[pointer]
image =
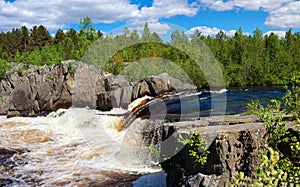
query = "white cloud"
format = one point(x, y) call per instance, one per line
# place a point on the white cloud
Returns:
point(205, 31)
point(280, 34)
point(287, 16)
point(159, 28)
point(282, 13)
point(218, 5)
point(166, 9)
point(221, 5)
point(56, 14)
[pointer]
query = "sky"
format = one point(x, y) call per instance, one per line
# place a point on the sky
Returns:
point(208, 16)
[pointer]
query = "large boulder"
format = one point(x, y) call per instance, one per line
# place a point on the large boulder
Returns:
point(160, 84)
point(120, 92)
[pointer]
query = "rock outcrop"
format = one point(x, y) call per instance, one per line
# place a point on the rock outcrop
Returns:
point(33, 90)
point(160, 84)
point(232, 148)
point(36, 90)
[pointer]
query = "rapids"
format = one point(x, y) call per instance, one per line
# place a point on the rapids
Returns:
point(74, 147)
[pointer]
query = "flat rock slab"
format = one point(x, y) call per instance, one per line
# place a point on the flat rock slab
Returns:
point(220, 122)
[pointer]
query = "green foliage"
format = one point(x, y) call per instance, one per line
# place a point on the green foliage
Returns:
point(88, 29)
point(275, 126)
point(154, 151)
point(20, 71)
point(4, 68)
point(291, 101)
point(253, 107)
point(71, 69)
point(268, 174)
point(197, 147)
point(277, 168)
point(276, 105)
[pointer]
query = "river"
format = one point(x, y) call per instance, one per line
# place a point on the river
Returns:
point(81, 147)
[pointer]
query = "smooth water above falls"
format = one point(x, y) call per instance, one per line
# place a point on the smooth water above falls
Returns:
point(232, 101)
point(82, 147)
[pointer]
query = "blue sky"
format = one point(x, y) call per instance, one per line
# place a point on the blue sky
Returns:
point(208, 16)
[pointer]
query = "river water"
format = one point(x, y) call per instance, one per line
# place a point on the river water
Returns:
point(82, 147)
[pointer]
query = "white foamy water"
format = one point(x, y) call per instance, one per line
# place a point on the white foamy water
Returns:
point(75, 147)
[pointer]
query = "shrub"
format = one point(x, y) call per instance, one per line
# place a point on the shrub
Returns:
point(291, 100)
point(197, 147)
point(278, 168)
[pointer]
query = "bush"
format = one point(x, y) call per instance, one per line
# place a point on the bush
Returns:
point(268, 174)
point(197, 147)
point(280, 165)
point(291, 101)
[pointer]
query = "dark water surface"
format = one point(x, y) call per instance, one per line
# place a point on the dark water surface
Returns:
point(237, 99)
point(233, 101)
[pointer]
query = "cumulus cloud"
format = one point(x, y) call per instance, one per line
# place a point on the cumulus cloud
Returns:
point(218, 5)
point(221, 5)
point(56, 14)
point(280, 34)
point(159, 28)
point(166, 9)
point(287, 16)
point(282, 13)
point(207, 31)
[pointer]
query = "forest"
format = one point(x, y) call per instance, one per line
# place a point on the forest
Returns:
point(246, 60)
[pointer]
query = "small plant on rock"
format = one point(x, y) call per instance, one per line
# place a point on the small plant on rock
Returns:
point(197, 147)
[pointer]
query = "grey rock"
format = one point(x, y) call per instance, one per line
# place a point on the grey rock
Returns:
point(11, 114)
point(21, 96)
point(140, 90)
point(232, 148)
point(203, 180)
point(176, 84)
point(160, 84)
point(40, 90)
point(121, 97)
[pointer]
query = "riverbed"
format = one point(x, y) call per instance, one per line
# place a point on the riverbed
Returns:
point(82, 147)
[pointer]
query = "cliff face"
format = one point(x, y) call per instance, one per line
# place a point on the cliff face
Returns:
point(34, 90)
point(234, 145)
point(37, 90)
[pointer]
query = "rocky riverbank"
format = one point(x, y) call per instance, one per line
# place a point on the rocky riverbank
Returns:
point(33, 90)
point(234, 145)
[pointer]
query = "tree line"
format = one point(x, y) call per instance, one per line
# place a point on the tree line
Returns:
point(37, 46)
point(245, 60)
point(257, 59)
